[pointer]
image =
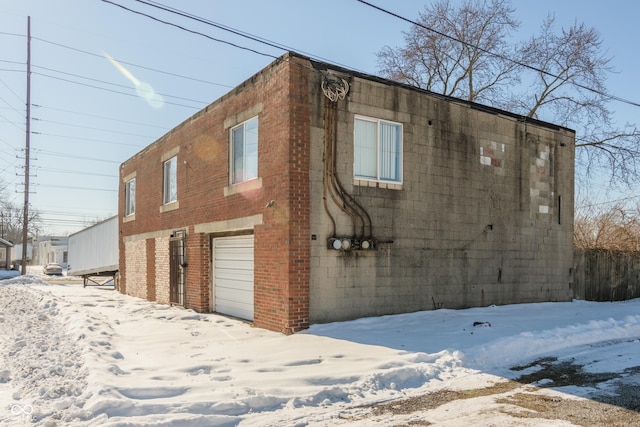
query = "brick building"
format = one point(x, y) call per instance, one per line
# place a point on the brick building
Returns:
point(311, 193)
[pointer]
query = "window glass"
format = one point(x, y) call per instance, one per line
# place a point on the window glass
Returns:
point(365, 148)
point(251, 149)
point(130, 197)
point(390, 137)
point(170, 180)
point(377, 150)
point(244, 151)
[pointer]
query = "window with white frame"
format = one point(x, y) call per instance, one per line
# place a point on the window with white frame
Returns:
point(170, 181)
point(244, 151)
point(130, 197)
point(377, 150)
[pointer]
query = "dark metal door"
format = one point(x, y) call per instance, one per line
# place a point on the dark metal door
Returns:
point(176, 271)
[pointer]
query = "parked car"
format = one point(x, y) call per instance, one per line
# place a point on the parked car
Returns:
point(52, 269)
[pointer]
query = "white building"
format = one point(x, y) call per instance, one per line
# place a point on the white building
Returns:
point(52, 249)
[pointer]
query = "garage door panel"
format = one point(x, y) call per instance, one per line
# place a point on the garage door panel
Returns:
point(224, 284)
point(241, 310)
point(235, 254)
point(235, 294)
point(245, 265)
point(236, 242)
point(234, 276)
point(229, 276)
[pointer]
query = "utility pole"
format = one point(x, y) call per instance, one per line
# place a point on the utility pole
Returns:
point(25, 220)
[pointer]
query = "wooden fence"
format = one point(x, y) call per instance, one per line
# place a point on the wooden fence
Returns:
point(603, 275)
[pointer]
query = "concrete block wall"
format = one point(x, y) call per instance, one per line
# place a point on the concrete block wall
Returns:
point(483, 215)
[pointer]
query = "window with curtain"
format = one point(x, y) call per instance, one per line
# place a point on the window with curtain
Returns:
point(244, 151)
point(170, 181)
point(130, 197)
point(377, 150)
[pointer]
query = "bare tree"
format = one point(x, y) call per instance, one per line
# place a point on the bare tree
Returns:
point(463, 51)
point(434, 59)
point(613, 228)
point(568, 88)
point(12, 217)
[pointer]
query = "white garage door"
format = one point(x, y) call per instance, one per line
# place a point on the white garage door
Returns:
point(233, 276)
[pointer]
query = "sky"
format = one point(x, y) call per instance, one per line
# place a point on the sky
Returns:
point(106, 82)
point(90, 356)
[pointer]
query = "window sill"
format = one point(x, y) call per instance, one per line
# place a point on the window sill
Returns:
point(241, 187)
point(129, 218)
point(377, 184)
point(172, 206)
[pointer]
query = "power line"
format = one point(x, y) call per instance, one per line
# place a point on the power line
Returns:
point(76, 188)
point(99, 117)
point(111, 90)
point(51, 153)
point(214, 24)
point(91, 128)
point(5, 160)
point(76, 172)
point(7, 144)
point(67, 214)
point(502, 57)
point(190, 31)
point(12, 91)
point(3, 33)
point(227, 28)
point(134, 65)
point(115, 84)
point(70, 208)
point(14, 124)
point(89, 139)
point(10, 106)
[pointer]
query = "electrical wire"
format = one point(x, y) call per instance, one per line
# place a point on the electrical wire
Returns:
point(54, 170)
point(11, 90)
point(11, 107)
point(7, 144)
point(5, 160)
point(238, 32)
point(133, 64)
point(111, 90)
point(502, 57)
point(115, 84)
point(91, 128)
point(88, 139)
point(75, 188)
point(99, 117)
point(4, 33)
point(11, 122)
point(189, 30)
point(66, 155)
point(68, 211)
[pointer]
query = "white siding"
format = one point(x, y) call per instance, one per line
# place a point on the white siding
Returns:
point(94, 249)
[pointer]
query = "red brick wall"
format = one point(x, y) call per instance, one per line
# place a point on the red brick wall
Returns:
point(282, 245)
point(151, 269)
point(280, 94)
point(198, 271)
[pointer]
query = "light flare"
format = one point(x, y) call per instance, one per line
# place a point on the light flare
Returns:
point(143, 90)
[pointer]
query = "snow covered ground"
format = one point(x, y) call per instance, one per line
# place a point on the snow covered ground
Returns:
point(9, 274)
point(92, 357)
